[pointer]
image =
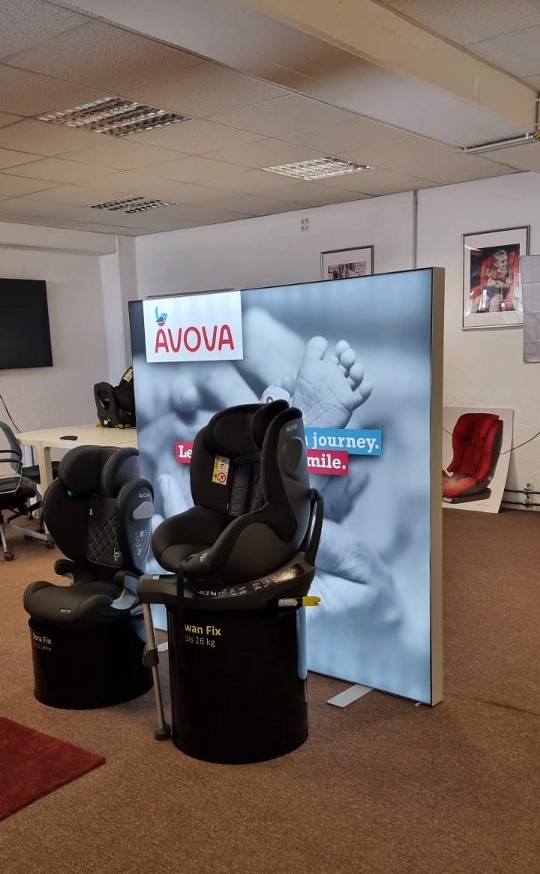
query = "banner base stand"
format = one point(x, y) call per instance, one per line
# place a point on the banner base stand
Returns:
point(353, 693)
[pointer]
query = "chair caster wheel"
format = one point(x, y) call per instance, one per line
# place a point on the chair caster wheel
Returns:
point(50, 544)
point(162, 733)
point(9, 556)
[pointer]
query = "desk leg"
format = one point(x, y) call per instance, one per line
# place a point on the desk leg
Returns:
point(45, 467)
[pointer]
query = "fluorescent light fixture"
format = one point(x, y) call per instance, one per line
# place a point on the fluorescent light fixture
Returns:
point(114, 116)
point(317, 168)
point(132, 205)
point(485, 148)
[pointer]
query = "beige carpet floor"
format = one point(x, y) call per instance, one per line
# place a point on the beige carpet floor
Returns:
point(380, 787)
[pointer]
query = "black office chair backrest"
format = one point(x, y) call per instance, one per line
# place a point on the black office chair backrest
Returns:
point(96, 510)
point(11, 448)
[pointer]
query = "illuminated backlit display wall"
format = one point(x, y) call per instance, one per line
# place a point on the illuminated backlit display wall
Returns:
point(362, 359)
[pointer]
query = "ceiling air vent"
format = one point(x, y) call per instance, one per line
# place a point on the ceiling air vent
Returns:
point(132, 205)
point(114, 116)
point(318, 168)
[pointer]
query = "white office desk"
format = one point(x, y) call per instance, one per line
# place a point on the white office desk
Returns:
point(87, 435)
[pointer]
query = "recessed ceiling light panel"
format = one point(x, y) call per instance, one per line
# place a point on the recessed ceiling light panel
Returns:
point(114, 116)
point(132, 205)
point(318, 168)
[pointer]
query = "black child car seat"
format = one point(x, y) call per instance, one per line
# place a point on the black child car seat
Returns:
point(241, 561)
point(88, 637)
point(250, 487)
point(115, 405)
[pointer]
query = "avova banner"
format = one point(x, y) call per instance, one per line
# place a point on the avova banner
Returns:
point(362, 359)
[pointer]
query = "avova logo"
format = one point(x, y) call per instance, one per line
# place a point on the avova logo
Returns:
point(194, 327)
point(161, 318)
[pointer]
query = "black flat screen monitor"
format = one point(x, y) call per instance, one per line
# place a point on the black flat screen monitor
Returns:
point(25, 339)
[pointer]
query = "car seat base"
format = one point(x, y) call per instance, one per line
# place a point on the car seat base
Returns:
point(81, 669)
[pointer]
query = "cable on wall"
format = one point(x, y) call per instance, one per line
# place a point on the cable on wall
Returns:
point(9, 415)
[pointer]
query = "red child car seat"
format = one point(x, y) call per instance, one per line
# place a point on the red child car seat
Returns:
point(476, 444)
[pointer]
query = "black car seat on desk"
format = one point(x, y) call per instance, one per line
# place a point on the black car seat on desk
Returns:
point(87, 637)
point(242, 562)
point(115, 405)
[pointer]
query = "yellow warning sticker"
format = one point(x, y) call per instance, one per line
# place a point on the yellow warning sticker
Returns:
point(221, 470)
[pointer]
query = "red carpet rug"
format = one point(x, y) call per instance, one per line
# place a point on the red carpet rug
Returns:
point(32, 764)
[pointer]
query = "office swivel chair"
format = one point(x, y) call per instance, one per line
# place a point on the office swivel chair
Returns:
point(88, 637)
point(18, 492)
point(30, 471)
point(115, 405)
point(242, 561)
point(476, 445)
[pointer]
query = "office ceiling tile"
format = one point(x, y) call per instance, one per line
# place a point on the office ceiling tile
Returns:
point(265, 153)
point(16, 186)
point(102, 56)
point(142, 181)
point(22, 206)
point(306, 195)
point(193, 169)
point(151, 186)
point(349, 135)
point(102, 217)
point(57, 170)
point(204, 90)
point(46, 139)
point(288, 108)
point(76, 195)
point(6, 118)
point(10, 158)
point(284, 116)
point(517, 52)
point(533, 82)
point(524, 157)
point(27, 94)
point(464, 22)
point(246, 181)
point(196, 137)
point(118, 154)
point(200, 213)
point(468, 168)
point(253, 204)
point(29, 22)
point(377, 182)
point(407, 156)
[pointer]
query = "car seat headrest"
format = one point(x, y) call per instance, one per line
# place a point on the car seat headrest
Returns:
point(228, 433)
point(263, 417)
point(93, 470)
point(118, 470)
point(81, 468)
point(283, 457)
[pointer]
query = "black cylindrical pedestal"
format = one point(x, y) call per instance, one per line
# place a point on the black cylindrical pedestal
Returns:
point(238, 683)
point(79, 669)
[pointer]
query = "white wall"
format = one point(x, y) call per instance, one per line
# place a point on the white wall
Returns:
point(273, 250)
point(63, 393)
point(482, 368)
point(90, 277)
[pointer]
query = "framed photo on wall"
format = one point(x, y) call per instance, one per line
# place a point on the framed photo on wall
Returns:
point(346, 263)
point(492, 296)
